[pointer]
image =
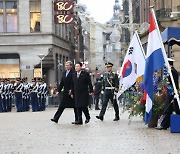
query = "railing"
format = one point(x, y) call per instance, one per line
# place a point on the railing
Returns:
point(163, 13)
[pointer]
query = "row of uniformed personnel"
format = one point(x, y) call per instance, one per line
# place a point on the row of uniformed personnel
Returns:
point(24, 94)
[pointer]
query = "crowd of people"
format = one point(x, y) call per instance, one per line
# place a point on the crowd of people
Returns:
point(23, 94)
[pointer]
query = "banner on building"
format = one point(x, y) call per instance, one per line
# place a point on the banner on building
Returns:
point(64, 19)
point(63, 6)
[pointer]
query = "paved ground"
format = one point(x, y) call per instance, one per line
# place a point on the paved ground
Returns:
point(34, 133)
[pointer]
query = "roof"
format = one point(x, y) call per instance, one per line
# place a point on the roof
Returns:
point(171, 35)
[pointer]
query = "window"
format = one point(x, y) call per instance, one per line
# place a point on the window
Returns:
point(11, 16)
point(8, 18)
point(35, 15)
point(1, 17)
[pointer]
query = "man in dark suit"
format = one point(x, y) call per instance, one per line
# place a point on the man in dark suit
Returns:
point(81, 89)
point(67, 101)
point(170, 104)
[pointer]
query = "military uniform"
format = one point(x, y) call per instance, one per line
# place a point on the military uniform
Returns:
point(18, 94)
point(44, 94)
point(5, 96)
point(1, 95)
point(110, 84)
point(39, 94)
point(9, 95)
point(26, 98)
point(34, 97)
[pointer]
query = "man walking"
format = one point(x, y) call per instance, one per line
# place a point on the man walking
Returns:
point(81, 89)
point(67, 101)
point(110, 86)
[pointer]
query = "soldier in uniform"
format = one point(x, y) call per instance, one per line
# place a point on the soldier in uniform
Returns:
point(1, 94)
point(18, 94)
point(39, 84)
point(44, 94)
point(9, 95)
point(5, 96)
point(26, 98)
point(110, 85)
point(34, 97)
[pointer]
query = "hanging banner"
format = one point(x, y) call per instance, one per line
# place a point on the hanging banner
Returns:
point(63, 6)
point(64, 19)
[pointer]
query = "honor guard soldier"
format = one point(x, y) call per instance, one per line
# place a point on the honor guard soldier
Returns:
point(18, 94)
point(110, 85)
point(34, 98)
point(1, 95)
point(4, 96)
point(25, 95)
point(39, 94)
point(27, 86)
point(9, 95)
point(44, 94)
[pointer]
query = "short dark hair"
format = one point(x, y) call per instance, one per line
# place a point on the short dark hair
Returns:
point(79, 63)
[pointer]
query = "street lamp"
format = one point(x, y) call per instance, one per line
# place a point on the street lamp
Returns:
point(41, 56)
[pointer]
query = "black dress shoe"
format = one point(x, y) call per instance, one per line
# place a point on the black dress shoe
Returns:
point(160, 128)
point(74, 122)
point(97, 108)
point(78, 123)
point(116, 119)
point(100, 117)
point(87, 121)
point(54, 120)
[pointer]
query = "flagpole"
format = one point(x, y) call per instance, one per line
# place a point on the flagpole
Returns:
point(166, 60)
point(142, 49)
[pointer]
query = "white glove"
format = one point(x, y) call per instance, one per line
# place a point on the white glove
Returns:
point(102, 92)
point(115, 93)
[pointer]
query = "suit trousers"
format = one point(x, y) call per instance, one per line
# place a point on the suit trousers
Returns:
point(170, 107)
point(60, 111)
point(106, 97)
point(85, 111)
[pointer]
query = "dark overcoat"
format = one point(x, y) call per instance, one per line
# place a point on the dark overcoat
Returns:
point(64, 87)
point(81, 87)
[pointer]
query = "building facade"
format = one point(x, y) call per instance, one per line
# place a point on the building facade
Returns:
point(168, 15)
point(28, 35)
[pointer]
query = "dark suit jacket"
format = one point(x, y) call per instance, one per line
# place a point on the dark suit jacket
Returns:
point(81, 87)
point(98, 87)
point(65, 84)
point(175, 76)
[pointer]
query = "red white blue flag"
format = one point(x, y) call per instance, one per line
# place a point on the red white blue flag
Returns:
point(154, 61)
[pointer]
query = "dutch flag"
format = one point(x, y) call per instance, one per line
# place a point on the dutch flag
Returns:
point(154, 61)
